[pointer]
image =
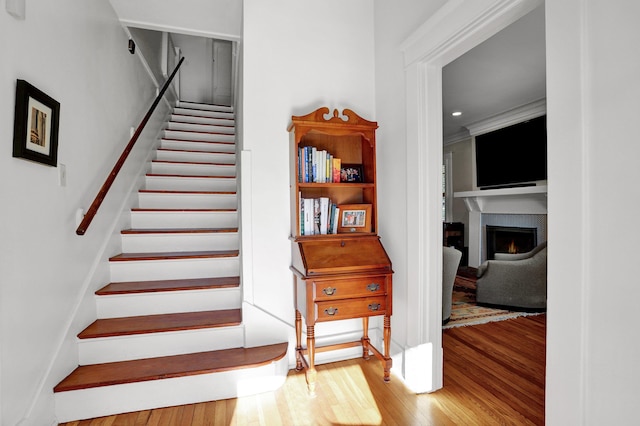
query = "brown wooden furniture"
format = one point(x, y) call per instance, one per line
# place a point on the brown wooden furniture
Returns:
point(340, 275)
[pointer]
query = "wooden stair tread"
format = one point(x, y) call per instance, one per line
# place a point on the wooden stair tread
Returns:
point(138, 209)
point(129, 287)
point(179, 231)
point(195, 151)
point(199, 163)
point(201, 141)
point(200, 132)
point(230, 126)
point(167, 191)
point(187, 116)
point(189, 176)
point(174, 255)
point(126, 326)
point(114, 373)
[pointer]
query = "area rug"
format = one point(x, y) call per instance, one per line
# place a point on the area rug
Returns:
point(465, 312)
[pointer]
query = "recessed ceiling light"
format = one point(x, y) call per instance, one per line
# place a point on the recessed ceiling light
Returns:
point(456, 113)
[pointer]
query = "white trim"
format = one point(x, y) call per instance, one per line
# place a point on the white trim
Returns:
point(448, 188)
point(164, 60)
point(246, 232)
point(508, 118)
point(457, 27)
point(178, 30)
point(460, 25)
point(459, 136)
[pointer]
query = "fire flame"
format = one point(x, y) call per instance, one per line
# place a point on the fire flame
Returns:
point(512, 247)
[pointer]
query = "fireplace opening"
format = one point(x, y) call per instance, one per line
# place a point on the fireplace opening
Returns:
point(510, 239)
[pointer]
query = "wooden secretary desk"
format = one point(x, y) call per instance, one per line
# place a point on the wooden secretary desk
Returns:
point(340, 268)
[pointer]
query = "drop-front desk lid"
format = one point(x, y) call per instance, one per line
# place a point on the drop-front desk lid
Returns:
point(335, 255)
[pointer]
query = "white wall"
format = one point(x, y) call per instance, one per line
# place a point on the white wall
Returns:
point(394, 22)
point(593, 91)
point(196, 72)
point(209, 18)
point(76, 52)
point(297, 56)
point(462, 179)
point(149, 43)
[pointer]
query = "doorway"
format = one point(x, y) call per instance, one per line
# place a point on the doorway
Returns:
point(457, 29)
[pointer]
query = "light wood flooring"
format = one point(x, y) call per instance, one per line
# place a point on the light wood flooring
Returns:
point(494, 374)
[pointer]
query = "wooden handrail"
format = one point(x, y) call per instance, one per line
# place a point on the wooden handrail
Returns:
point(93, 209)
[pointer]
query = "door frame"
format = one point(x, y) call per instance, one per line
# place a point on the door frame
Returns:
point(453, 30)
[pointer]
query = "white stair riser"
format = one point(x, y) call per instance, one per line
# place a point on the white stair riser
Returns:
point(197, 127)
point(190, 118)
point(168, 302)
point(179, 242)
point(172, 183)
point(189, 136)
point(197, 157)
point(205, 107)
point(98, 402)
point(198, 146)
point(154, 200)
point(180, 219)
point(202, 113)
point(152, 345)
point(188, 169)
point(148, 270)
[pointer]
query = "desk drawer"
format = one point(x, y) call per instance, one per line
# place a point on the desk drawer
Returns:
point(351, 287)
point(351, 308)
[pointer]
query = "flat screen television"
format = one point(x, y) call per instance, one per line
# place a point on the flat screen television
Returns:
point(512, 156)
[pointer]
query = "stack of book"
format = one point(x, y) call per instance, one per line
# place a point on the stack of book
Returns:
point(317, 166)
point(318, 216)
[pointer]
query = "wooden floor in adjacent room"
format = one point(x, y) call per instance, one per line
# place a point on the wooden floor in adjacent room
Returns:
point(494, 375)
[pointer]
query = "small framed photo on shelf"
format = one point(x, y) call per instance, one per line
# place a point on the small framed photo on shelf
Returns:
point(35, 130)
point(351, 173)
point(354, 218)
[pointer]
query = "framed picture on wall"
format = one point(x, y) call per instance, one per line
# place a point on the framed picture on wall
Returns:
point(35, 129)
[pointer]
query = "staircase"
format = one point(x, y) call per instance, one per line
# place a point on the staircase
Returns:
point(169, 328)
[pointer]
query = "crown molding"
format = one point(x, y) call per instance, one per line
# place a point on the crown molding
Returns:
point(460, 136)
point(508, 118)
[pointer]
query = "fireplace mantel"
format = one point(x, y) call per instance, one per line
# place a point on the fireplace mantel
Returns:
point(529, 200)
point(524, 200)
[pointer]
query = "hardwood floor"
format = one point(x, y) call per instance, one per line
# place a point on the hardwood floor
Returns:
point(494, 374)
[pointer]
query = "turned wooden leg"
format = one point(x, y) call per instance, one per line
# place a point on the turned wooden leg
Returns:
point(298, 340)
point(311, 352)
point(365, 338)
point(387, 342)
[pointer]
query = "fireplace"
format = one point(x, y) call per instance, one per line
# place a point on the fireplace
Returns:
point(510, 239)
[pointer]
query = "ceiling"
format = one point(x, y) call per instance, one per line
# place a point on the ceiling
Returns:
point(502, 73)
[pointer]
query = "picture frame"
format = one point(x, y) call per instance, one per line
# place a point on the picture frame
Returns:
point(35, 129)
point(354, 218)
point(351, 173)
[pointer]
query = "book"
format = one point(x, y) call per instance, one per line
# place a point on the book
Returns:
point(314, 164)
point(336, 220)
point(336, 170)
point(332, 210)
point(301, 213)
point(300, 164)
point(308, 216)
point(324, 215)
point(316, 216)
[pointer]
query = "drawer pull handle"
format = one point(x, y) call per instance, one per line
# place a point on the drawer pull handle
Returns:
point(374, 306)
point(373, 287)
point(331, 311)
point(329, 291)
